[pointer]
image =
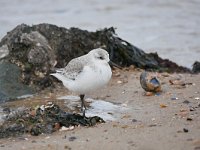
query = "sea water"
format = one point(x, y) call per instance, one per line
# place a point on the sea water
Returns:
point(170, 28)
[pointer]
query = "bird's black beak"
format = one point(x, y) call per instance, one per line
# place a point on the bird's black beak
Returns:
point(112, 64)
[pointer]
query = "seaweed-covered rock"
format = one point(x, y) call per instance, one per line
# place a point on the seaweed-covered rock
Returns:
point(30, 51)
point(38, 49)
point(44, 119)
point(196, 67)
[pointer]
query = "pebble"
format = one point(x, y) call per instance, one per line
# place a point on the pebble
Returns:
point(192, 108)
point(48, 137)
point(197, 148)
point(149, 94)
point(67, 147)
point(185, 130)
point(134, 120)
point(33, 141)
point(117, 74)
point(124, 105)
point(189, 119)
point(186, 102)
point(119, 82)
point(190, 139)
point(152, 125)
point(72, 138)
point(174, 98)
point(163, 105)
point(63, 128)
point(6, 110)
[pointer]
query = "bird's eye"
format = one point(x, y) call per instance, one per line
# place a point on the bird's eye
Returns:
point(101, 57)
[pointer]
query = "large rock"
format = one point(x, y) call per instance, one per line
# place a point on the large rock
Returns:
point(196, 67)
point(10, 85)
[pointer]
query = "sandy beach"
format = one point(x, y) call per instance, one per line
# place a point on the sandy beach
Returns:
point(169, 120)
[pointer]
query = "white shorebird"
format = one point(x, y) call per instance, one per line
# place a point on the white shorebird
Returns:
point(86, 73)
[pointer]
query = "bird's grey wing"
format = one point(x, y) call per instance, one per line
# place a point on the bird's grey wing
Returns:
point(73, 69)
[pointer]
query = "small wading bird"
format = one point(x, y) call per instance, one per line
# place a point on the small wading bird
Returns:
point(86, 73)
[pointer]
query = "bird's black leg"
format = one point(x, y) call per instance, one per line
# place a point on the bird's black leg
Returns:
point(83, 107)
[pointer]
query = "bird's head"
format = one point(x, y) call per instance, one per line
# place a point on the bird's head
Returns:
point(99, 55)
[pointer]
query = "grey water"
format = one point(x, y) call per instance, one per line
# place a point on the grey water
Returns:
point(169, 27)
point(106, 110)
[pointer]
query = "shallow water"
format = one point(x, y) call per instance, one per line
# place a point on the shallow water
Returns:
point(106, 110)
point(170, 28)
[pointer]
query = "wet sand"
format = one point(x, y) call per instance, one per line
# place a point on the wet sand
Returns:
point(170, 120)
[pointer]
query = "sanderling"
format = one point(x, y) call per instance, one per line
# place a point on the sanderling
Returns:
point(86, 73)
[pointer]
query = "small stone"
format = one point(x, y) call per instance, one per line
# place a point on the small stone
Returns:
point(6, 110)
point(186, 102)
point(179, 131)
point(177, 82)
point(119, 82)
point(152, 125)
point(110, 113)
point(72, 138)
point(126, 116)
point(189, 119)
point(124, 105)
point(174, 98)
point(185, 130)
point(190, 139)
point(63, 128)
point(117, 74)
point(33, 141)
point(67, 147)
point(163, 105)
point(48, 137)
point(57, 126)
point(157, 94)
point(192, 109)
point(149, 94)
point(134, 120)
point(183, 110)
point(197, 148)
point(87, 140)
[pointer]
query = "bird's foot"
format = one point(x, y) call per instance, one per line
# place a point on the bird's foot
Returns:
point(83, 111)
point(83, 107)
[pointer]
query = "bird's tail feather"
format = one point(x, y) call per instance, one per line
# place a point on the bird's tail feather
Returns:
point(58, 76)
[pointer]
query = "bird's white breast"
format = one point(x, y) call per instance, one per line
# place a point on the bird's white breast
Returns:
point(91, 78)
